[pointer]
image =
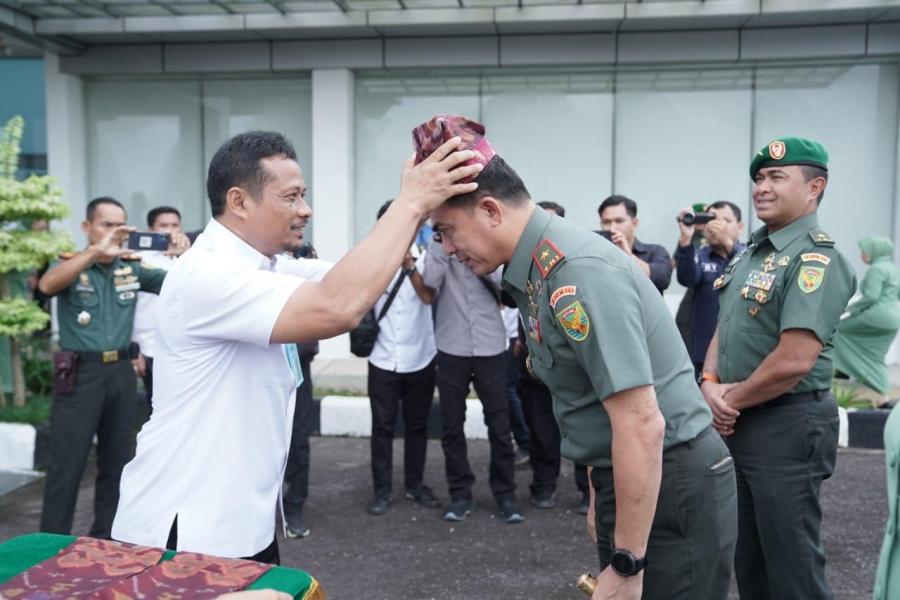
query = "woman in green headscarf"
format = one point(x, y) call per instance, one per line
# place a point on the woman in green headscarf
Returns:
point(864, 337)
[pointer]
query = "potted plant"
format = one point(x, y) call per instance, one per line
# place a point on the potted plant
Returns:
point(26, 244)
point(865, 424)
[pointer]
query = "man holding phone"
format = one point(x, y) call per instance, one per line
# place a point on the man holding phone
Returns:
point(94, 388)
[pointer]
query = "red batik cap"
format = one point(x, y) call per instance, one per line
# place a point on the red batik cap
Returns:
point(430, 135)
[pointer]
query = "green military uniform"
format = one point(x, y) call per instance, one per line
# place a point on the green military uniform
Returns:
point(597, 326)
point(95, 316)
point(793, 278)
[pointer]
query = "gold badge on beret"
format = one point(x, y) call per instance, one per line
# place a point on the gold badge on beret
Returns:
point(777, 150)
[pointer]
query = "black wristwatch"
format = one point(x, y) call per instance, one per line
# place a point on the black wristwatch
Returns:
point(625, 563)
point(410, 271)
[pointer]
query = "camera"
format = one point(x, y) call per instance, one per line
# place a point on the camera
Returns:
point(697, 218)
point(148, 240)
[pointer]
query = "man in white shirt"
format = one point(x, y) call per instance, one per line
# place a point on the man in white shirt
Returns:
point(162, 219)
point(401, 371)
point(209, 464)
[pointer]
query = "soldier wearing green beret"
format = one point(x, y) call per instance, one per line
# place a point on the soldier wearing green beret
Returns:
point(95, 387)
point(664, 513)
point(767, 375)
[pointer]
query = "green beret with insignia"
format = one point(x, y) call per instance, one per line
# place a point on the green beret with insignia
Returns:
point(790, 151)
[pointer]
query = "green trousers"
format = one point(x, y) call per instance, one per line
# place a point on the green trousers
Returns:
point(781, 457)
point(691, 545)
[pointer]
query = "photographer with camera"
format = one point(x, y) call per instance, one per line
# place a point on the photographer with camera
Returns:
point(166, 221)
point(618, 222)
point(698, 268)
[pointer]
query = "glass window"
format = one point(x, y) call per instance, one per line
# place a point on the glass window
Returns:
point(150, 142)
point(852, 110)
point(556, 132)
point(144, 147)
point(23, 79)
point(386, 111)
point(682, 137)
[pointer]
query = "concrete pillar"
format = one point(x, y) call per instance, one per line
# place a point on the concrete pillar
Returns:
point(332, 179)
point(67, 140)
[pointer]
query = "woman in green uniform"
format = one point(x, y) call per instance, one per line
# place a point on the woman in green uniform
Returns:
point(863, 337)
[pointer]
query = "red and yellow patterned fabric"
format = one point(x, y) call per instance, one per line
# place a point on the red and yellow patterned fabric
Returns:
point(187, 576)
point(81, 570)
point(429, 136)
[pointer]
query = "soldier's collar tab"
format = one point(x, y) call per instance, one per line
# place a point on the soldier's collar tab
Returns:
point(547, 257)
point(519, 267)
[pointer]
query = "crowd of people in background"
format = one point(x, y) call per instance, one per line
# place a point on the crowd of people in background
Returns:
point(441, 327)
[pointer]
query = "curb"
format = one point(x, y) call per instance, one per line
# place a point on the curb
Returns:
point(351, 416)
point(24, 447)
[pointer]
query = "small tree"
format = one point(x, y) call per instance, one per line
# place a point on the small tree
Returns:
point(22, 248)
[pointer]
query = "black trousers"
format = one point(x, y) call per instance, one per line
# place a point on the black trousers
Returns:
point(104, 402)
point(782, 455)
point(488, 373)
point(148, 384)
point(296, 472)
point(692, 539)
point(269, 554)
point(387, 392)
point(543, 451)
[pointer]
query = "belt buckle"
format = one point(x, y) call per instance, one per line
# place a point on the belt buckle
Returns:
point(110, 356)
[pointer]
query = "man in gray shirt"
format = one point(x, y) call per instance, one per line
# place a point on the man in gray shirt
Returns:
point(471, 340)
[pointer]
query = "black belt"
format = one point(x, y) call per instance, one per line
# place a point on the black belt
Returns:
point(106, 357)
point(788, 399)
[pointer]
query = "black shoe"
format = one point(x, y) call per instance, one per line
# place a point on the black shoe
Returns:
point(522, 457)
point(378, 506)
point(544, 500)
point(585, 504)
point(295, 528)
point(458, 510)
point(510, 511)
point(424, 496)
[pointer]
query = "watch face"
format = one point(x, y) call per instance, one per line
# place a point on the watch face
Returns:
point(623, 563)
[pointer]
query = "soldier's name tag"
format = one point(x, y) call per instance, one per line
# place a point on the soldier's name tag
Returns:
point(128, 286)
point(556, 296)
point(126, 295)
point(84, 288)
point(120, 280)
point(760, 280)
point(815, 257)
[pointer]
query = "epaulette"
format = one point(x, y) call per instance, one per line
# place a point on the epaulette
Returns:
point(547, 257)
point(66, 255)
point(820, 238)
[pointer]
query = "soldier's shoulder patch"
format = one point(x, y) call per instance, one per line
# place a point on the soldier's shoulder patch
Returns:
point(66, 255)
point(815, 257)
point(820, 238)
point(810, 278)
point(575, 321)
point(547, 257)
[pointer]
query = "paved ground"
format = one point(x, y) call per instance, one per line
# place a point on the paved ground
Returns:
point(411, 554)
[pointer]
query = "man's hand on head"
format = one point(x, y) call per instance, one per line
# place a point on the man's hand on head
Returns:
point(430, 183)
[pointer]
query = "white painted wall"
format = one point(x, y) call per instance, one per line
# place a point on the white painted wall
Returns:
point(332, 188)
